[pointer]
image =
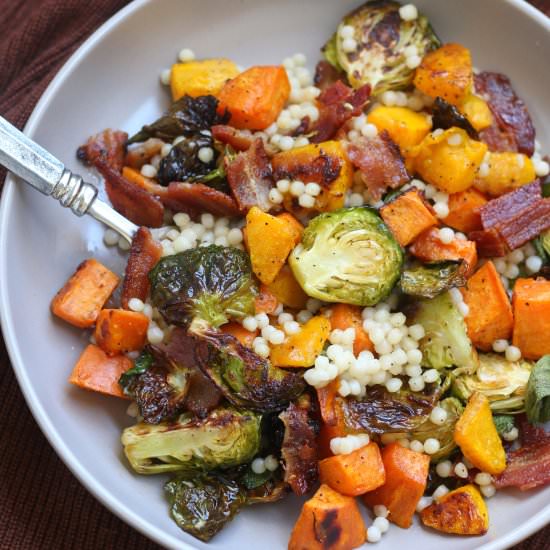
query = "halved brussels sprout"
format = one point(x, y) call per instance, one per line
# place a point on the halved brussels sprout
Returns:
point(503, 382)
point(428, 281)
point(226, 438)
point(381, 38)
point(445, 343)
point(348, 256)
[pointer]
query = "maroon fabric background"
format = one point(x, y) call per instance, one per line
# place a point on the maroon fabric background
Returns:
point(42, 506)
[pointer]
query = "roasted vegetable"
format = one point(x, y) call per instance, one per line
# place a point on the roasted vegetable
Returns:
point(530, 302)
point(203, 504)
point(97, 371)
point(224, 439)
point(477, 436)
point(203, 287)
point(503, 382)
point(245, 378)
point(84, 294)
point(446, 72)
point(445, 116)
point(461, 512)
point(347, 256)
point(328, 521)
point(382, 37)
point(464, 210)
point(406, 478)
point(286, 289)
point(119, 330)
point(446, 343)
point(477, 112)
point(430, 280)
point(504, 423)
point(537, 399)
point(344, 316)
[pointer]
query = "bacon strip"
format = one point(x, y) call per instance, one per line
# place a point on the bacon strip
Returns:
point(195, 198)
point(130, 200)
point(489, 244)
point(250, 178)
point(144, 255)
point(510, 112)
point(380, 162)
point(326, 75)
point(238, 139)
point(337, 104)
point(106, 148)
point(529, 224)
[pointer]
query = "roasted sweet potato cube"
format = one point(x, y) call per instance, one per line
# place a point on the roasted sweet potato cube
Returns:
point(464, 210)
point(407, 216)
point(84, 294)
point(346, 316)
point(531, 305)
point(460, 512)
point(120, 330)
point(286, 289)
point(328, 521)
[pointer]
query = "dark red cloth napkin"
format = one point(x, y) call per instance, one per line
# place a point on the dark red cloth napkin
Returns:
point(42, 505)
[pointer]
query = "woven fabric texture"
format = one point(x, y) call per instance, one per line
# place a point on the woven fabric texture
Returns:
point(42, 505)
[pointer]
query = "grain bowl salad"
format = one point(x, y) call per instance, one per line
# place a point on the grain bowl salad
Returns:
point(339, 287)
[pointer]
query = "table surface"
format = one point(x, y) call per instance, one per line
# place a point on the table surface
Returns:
point(42, 505)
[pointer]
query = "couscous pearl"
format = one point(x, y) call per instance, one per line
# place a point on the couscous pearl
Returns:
point(369, 131)
point(441, 491)
point(382, 523)
point(415, 103)
point(431, 446)
point(166, 148)
point(123, 244)
point(488, 491)
point(148, 170)
point(400, 99)
point(186, 55)
point(135, 304)
point(312, 189)
point(349, 45)
point(414, 356)
point(258, 466)
point(380, 511)
point(512, 435)
point(416, 446)
point(283, 186)
point(165, 76)
point(441, 209)
point(410, 50)
point(542, 168)
point(512, 353)
point(304, 316)
point(483, 478)
point(148, 310)
point(346, 31)
point(408, 12)
point(444, 468)
point(285, 317)
point(438, 416)
point(306, 201)
point(417, 332)
point(374, 534)
point(234, 236)
point(414, 371)
point(533, 264)
point(463, 308)
point(500, 345)
point(394, 336)
point(430, 376)
point(286, 143)
point(516, 256)
point(250, 323)
point(512, 271)
point(155, 335)
point(454, 140)
point(416, 383)
point(275, 196)
point(297, 188)
point(205, 154)
point(208, 221)
point(262, 319)
point(394, 385)
point(110, 237)
point(291, 327)
point(461, 470)
point(413, 61)
point(424, 502)
point(446, 235)
point(271, 463)
point(221, 241)
point(404, 442)
point(389, 98)
point(262, 350)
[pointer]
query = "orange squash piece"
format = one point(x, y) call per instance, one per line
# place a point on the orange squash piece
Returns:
point(328, 521)
point(346, 316)
point(406, 478)
point(428, 248)
point(478, 439)
point(84, 294)
point(301, 349)
point(135, 176)
point(464, 210)
point(266, 301)
point(407, 216)
point(531, 306)
point(490, 312)
point(294, 224)
point(97, 371)
point(121, 330)
point(245, 337)
point(255, 97)
point(287, 290)
point(460, 512)
point(355, 473)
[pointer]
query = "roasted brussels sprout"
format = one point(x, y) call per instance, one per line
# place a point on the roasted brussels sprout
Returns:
point(428, 281)
point(157, 384)
point(245, 378)
point(443, 433)
point(224, 439)
point(537, 398)
point(381, 38)
point(445, 116)
point(446, 343)
point(348, 256)
point(503, 382)
point(203, 287)
point(504, 423)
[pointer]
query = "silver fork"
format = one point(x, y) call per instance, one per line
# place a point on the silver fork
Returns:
point(33, 164)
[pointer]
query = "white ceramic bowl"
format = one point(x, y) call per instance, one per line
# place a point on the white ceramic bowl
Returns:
point(112, 81)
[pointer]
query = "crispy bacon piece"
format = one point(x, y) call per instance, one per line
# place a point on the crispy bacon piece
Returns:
point(510, 112)
point(194, 198)
point(337, 104)
point(489, 244)
point(299, 449)
point(130, 200)
point(240, 140)
point(380, 162)
point(528, 225)
point(326, 75)
point(250, 178)
point(528, 467)
point(144, 254)
point(498, 139)
point(106, 148)
point(140, 154)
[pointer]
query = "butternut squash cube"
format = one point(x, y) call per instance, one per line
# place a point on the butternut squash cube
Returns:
point(464, 210)
point(286, 289)
point(476, 110)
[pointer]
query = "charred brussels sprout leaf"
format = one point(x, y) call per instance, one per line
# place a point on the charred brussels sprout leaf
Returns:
point(443, 433)
point(445, 116)
point(446, 343)
point(382, 38)
point(503, 382)
point(504, 423)
point(158, 385)
point(224, 439)
point(203, 505)
point(203, 287)
point(245, 378)
point(428, 281)
point(330, 51)
point(348, 256)
point(537, 400)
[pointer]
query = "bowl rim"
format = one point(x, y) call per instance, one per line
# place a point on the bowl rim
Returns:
point(108, 499)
